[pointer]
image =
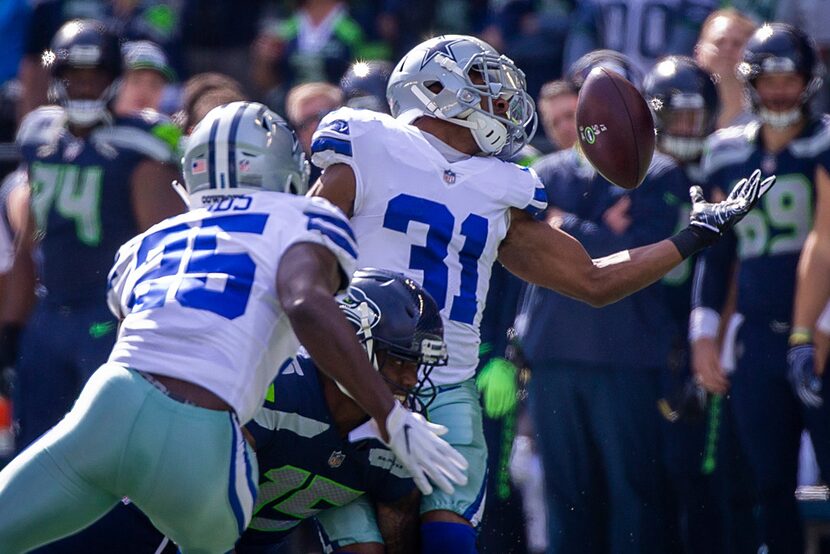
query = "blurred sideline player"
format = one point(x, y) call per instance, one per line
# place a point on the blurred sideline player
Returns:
point(593, 396)
point(364, 85)
point(96, 180)
point(429, 195)
point(685, 104)
point(305, 107)
point(310, 441)
point(783, 71)
point(161, 419)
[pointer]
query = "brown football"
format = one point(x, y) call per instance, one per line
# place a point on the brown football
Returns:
point(616, 130)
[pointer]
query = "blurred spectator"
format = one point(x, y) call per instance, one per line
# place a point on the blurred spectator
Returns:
point(305, 106)
point(719, 50)
point(218, 36)
point(532, 35)
point(557, 108)
point(758, 11)
point(316, 44)
point(146, 73)
point(364, 85)
point(196, 88)
point(596, 370)
point(641, 29)
point(155, 20)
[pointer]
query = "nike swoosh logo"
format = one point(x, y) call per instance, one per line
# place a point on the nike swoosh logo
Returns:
point(406, 436)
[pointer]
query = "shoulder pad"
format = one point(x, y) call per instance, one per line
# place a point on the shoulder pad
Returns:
point(662, 164)
point(729, 146)
point(41, 126)
point(149, 133)
point(817, 142)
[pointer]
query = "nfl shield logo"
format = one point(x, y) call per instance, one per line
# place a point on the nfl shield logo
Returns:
point(336, 459)
point(449, 177)
point(244, 165)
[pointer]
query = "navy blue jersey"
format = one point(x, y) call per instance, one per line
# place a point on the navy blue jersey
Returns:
point(769, 239)
point(677, 283)
point(305, 466)
point(81, 194)
point(635, 331)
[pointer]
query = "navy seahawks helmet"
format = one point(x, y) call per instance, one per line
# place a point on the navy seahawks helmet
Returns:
point(240, 147)
point(678, 90)
point(364, 85)
point(448, 77)
point(394, 316)
point(781, 48)
point(608, 59)
point(80, 44)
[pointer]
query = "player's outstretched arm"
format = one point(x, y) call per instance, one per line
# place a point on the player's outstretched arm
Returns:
point(307, 278)
point(553, 259)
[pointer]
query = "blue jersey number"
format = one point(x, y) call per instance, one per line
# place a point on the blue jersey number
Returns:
point(431, 257)
point(190, 270)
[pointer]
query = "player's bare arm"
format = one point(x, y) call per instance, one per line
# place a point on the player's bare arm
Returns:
point(337, 185)
point(549, 257)
point(813, 289)
point(152, 194)
point(306, 281)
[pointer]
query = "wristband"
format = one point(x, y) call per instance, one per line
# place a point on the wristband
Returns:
point(703, 324)
point(692, 239)
point(800, 335)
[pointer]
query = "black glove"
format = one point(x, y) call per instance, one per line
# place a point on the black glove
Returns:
point(802, 375)
point(720, 217)
point(709, 221)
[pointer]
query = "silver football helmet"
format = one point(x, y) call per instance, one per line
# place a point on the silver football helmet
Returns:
point(467, 70)
point(239, 147)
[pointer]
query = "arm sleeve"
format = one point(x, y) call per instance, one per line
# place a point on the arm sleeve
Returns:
point(529, 194)
point(713, 268)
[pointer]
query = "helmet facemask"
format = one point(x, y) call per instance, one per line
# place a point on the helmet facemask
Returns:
point(465, 81)
point(427, 351)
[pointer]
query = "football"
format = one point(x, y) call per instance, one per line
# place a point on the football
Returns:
point(615, 128)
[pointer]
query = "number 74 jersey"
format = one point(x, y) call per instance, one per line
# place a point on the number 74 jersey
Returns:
point(439, 222)
point(197, 292)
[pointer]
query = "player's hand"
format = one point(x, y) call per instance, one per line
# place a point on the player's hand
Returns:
point(719, 217)
point(497, 384)
point(707, 367)
point(417, 444)
point(802, 375)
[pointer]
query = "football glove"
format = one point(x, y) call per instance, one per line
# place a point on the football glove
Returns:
point(801, 373)
point(417, 444)
point(497, 384)
point(719, 217)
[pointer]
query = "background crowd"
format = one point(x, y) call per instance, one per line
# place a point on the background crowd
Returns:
point(594, 420)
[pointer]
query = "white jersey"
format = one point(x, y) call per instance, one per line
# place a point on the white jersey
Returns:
point(438, 222)
point(197, 292)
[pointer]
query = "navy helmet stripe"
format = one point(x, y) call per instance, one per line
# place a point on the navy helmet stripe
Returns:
point(212, 153)
point(237, 118)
